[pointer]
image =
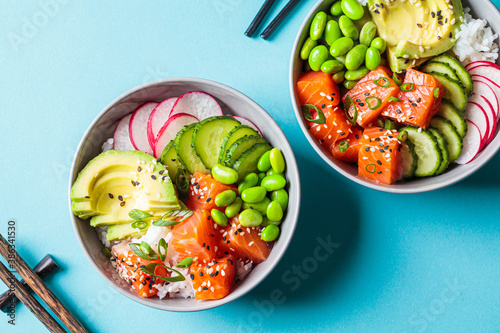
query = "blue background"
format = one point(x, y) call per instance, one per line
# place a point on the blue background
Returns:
point(401, 263)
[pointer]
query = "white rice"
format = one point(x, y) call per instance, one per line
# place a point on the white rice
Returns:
point(108, 145)
point(363, 2)
point(475, 41)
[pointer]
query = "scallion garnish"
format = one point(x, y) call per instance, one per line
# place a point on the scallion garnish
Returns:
point(407, 87)
point(396, 79)
point(382, 82)
point(185, 263)
point(389, 125)
point(394, 99)
point(141, 225)
point(347, 105)
point(403, 136)
point(343, 145)
point(436, 92)
point(182, 184)
point(373, 102)
point(171, 218)
point(306, 111)
point(150, 269)
point(143, 251)
point(381, 121)
point(162, 249)
point(107, 252)
point(138, 214)
point(371, 168)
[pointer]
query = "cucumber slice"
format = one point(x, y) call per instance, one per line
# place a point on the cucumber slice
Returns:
point(451, 135)
point(454, 91)
point(438, 67)
point(447, 110)
point(170, 160)
point(208, 136)
point(247, 162)
point(443, 145)
point(240, 146)
point(185, 151)
point(408, 159)
point(427, 150)
point(232, 136)
point(462, 73)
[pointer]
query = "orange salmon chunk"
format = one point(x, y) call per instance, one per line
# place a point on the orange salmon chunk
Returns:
point(371, 95)
point(214, 280)
point(420, 98)
point(203, 190)
point(352, 142)
point(318, 88)
point(336, 127)
point(379, 156)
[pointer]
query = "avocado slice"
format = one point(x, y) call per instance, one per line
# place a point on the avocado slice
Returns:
point(115, 182)
point(125, 230)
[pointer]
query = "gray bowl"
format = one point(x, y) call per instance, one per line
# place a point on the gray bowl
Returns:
point(480, 9)
point(232, 102)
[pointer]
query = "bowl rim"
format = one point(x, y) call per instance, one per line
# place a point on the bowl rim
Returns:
point(379, 187)
point(291, 165)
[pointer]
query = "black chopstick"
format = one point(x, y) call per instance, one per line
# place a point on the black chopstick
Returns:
point(259, 17)
point(277, 20)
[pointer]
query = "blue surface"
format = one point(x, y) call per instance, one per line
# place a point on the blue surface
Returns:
point(399, 263)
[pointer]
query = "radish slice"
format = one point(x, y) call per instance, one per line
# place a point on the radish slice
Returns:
point(476, 114)
point(480, 63)
point(490, 115)
point(169, 131)
point(247, 122)
point(489, 71)
point(158, 118)
point(138, 126)
point(472, 144)
point(482, 88)
point(198, 104)
point(121, 137)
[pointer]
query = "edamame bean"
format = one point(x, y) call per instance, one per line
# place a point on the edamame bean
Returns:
point(266, 222)
point(372, 58)
point(367, 33)
point(309, 44)
point(318, 26)
point(270, 233)
point(280, 196)
point(273, 183)
point(336, 9)
point(233, 209)
point(332, 32)
point(355, 57)
point(271, 172)
point(380, 44)
point(348, 28)
point(225, 198)
point(339, 77)
point(274, 211)
point(224, 175)
point(219, 217)
point(357, 74)
point(261, 176)
point(264, 162)
point(254, 194)
point(349, 84)
point(250, 180)
point(250, 218)
point(341, 59)
point(332, 66)
point(260, 206)
point(341, 46)
point(352, 9)
point(317, 57)
point(277, 160)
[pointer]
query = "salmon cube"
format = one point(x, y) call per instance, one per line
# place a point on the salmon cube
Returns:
point(336, 127)
point(214, 280)
point(318, 88)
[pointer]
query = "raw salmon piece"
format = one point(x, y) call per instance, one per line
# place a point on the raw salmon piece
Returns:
point(419, 105)
point(214, 280)
point(367, 91)
point(336, 127)
point(203, 190)
point(349, 155)
point(379, 156)
point(318, 88)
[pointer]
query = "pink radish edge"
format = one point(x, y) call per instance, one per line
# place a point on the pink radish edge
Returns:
point(158, 119)
point(121, 137)
point(198, 104)
point(245, 121)
point(472, 143)
point(169, 131)
point(480, 119)
point(138, 126)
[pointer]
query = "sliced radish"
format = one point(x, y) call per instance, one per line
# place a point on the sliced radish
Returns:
point(247, 122)
point(198, 104)
point(490, 115)
point(480, 63)
point(138, 127)
point(472, 144)
point(168, 132)
point(121, 137)
point(490, 71)
point(158, 118)
point(483, 88)
point(476, 114)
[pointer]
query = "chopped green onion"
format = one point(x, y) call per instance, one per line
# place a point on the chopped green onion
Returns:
point(407, 87)
point(141, 225)
point(138, 214)
point(185, 263)
point(394, 99)
point(373, 169)
point(162, 244)
point(143, 251)
point(150, 269)
point(381, 121)
point(389, 125)
point(107, 252)
point(436, 92)
point(373, 102)
point(382, 82)
point(396, 79)
point(403, 136)
point(343, 145)
point(306, 111)
point(182, 184)
point(171, 218)
point(347, 105)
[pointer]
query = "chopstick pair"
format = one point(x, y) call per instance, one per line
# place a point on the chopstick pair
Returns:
point(40, 288)
point(275, 22)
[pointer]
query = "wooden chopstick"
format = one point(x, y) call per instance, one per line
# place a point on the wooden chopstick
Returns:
point(259, 17)
point(31, 303)
point(277, 20)
point(39, 287)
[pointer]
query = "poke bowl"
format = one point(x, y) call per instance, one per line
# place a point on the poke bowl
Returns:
point(466, 58)
point(120, 176)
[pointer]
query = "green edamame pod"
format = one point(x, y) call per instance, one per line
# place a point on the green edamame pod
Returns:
point(274, 211)
point(225, 198)
point(357, 74)
point(352, 9)
point(270, 233)
point(339, 77)
point(264, 162)
point(309, 44)
point(341, 58)
point(277, 160)
point(280, 196)
point(348, 28)
point(317, 57)
point(380, 44)
point(341, 46)
point(250, 180)
point(332, 32)
point(233, 209)
point(367, 33)
point(349, 84)
point(224, 175)
point(250, 218)
point(372, 58)
point(273, 183)
point(332, 66)
point(355, 57)
point(219, 217)
point(260, 206)
point(261, 176)
point(254, 194)
point(318, 26)
point(336, 9)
